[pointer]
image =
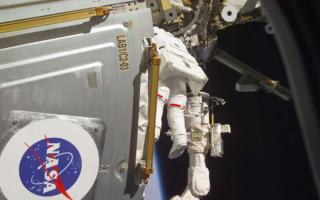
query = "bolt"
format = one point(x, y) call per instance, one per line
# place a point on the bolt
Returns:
point(123, 170)
point(14, 122)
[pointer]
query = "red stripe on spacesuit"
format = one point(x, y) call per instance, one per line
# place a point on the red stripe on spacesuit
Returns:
point(176, 105)
point(162, 98)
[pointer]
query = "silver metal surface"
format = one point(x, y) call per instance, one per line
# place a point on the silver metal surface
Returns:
point(77, 71)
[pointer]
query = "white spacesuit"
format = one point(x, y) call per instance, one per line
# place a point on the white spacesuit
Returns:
point(177, 70)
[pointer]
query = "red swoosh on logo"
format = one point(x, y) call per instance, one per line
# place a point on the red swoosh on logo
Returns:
point(58, 183)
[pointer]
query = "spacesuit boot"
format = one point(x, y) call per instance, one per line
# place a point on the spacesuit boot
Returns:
point(178, 147)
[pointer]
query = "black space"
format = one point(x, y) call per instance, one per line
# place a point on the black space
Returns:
point(264, 156)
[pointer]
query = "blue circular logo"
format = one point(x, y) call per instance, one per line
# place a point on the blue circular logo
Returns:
point(50, 167)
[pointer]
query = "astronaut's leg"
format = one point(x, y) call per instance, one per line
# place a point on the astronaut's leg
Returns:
point(163, 96)
point(175, 115)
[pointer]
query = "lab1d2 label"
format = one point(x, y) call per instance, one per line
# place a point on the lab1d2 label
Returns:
point(50, 167)
point(123, 55)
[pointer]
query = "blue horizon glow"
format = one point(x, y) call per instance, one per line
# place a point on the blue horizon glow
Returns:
point(154, 189)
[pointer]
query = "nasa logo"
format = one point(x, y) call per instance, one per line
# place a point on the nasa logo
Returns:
point(50, 167)
point(48, 159)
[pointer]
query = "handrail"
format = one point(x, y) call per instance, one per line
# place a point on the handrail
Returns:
point(153, 89)
point(54, 19)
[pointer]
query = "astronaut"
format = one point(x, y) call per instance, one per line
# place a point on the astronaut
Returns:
point(178, 70)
